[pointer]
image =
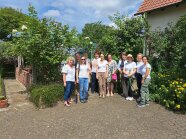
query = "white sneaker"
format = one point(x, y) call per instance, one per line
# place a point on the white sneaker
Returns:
point(127, 98)
point(131, 98)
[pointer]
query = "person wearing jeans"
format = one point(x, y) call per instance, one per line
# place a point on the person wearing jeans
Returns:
point(146, 70)
point(68, 80)
point(82, 72)
point(101, 75)
point(94, 81)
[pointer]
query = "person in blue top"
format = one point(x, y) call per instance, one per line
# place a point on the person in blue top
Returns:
point(145, 70)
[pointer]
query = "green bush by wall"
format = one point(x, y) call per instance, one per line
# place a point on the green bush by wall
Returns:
point(46, 95)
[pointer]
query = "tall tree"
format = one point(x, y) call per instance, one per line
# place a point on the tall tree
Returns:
point(10, 19)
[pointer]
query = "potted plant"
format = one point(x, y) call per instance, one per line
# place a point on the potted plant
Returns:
point(3, 102)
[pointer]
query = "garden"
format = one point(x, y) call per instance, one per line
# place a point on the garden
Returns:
point(45, 43)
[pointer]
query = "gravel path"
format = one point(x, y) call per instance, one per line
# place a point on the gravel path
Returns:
point(109, 118)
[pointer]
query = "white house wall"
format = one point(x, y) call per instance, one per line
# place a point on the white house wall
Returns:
point(159, 19)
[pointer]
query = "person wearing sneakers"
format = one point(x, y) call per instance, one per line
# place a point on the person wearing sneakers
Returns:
point(138, 73)
point(129, 70)
point(146, 70)
point(82, 73)
point(68, 79)
point(101, 75)
point(112, 67)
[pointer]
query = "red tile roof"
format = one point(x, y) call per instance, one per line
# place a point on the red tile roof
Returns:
point(149, 5)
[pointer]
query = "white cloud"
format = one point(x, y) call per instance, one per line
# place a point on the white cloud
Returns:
point(52, 13)
point(113, 25)
point(57, 4)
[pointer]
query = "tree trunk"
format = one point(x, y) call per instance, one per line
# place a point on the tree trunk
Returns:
point(34, 74)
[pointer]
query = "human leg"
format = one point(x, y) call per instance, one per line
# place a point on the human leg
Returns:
point(85, 88)
point(81, 81)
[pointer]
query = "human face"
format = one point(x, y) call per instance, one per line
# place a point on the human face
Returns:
point(78, 57)
point(129, 59)
point(102, 57)
point(96, 56)
point(139, 57)
point(145, 60)
point(124, 57)
point(109, 58)
point(83, 60)
point(71, 62)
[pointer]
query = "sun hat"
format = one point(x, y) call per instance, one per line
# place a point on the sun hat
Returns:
point(129, 55)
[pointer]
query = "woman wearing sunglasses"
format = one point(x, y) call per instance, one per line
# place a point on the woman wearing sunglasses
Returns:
point(82, 73)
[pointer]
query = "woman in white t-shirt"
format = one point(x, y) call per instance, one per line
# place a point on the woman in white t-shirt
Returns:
point(145, 71)
point(101, 75)
point(68, 79)
point(82, 73)
point(129, 71)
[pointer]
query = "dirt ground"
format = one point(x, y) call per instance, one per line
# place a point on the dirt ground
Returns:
point(109, 118)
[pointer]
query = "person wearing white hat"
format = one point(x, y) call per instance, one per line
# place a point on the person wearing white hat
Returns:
point(129, 70)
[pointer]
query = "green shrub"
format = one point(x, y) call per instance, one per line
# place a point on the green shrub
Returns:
point(46, 95)
point(0, 85)
point(169, 91)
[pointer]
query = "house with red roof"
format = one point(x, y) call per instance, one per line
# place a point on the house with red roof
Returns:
point(162, 12)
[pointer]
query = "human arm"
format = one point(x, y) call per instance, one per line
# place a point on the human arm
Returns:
point(118, 66)
point(64, 79)
point(146, 75)
point(115, 68)
point(106, 73)
point(97, 71)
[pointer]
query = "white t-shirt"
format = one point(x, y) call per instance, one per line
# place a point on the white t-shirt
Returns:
point(129, 67)
point(70, 73)
point(83, 71)
point(94, 64)
point(144, 69)
point(139, 67)
point(102, 66)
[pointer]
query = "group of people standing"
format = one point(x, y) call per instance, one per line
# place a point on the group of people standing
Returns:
point(102, 73)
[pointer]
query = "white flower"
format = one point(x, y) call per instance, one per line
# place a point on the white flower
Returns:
point(14, 31)
point(91, 42)
point(23, 27)
point(86, 38)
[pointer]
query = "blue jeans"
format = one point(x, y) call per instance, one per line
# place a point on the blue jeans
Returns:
point(94, 83)
point(68, 90)
point(83, 88)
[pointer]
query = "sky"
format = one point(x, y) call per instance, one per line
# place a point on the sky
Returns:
point(76, 13)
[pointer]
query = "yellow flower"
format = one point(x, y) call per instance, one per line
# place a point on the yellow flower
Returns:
point(178, 106)
point(181, 89)
point(178, 95)
point(184, 85)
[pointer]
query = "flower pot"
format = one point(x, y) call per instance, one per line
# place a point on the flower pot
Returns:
point(4, 103)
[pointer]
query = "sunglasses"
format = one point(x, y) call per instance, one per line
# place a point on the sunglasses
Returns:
point(82, 59)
